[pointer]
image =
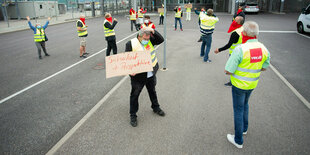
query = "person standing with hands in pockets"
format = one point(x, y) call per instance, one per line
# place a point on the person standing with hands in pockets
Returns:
point(39, 36)
point(109, 33)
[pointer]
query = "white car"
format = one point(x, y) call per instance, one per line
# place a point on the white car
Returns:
point(251, 6)
point(303, 23)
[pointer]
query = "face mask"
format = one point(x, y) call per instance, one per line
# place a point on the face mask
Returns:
point(146, 21)
point(38, 26)
point(144, 42)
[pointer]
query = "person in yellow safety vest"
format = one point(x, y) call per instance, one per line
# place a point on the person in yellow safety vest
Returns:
point(244, 67)
point(178, 16)
point(39, 36)
point(161, 16)
point(148, 23)
point(234, 40)
point(109, 33)
point(82, 33)
point(188, 13)
point(133, 17)
point(141, 13)
point(145, 41)
point(207, 26)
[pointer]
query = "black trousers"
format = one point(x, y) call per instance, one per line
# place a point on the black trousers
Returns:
point(112, 45)
point(136, 88)
point(161, 20)
point(133, 24)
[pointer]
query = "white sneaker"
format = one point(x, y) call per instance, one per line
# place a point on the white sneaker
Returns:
point(231, 139)
point(245, 132)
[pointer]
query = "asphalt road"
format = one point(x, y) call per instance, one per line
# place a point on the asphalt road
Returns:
point(34, 121)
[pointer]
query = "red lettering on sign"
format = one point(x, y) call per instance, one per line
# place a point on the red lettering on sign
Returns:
point(256, 55)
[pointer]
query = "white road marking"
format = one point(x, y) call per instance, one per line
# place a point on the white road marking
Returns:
point(55, 74)
point(86, 117)
point(303, 35)
point(291, 87)
point(270, 31)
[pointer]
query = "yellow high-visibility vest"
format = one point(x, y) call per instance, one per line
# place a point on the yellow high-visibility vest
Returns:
point(140, 14)
point(81, 33)
point(188, 9)
point(133, 16)
point(234, 45)
point(137, 46)
point(40, 35)
point(247, 74)
point(178, 14)
point(208, 22)
point(108, 32)
point(150, 25)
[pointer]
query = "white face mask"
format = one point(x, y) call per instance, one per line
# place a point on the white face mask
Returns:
point(146, 21)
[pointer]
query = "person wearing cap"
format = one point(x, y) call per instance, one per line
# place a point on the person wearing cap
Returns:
point(109, 33)
point(82, 33)
point(178, 16)
point(235, 39)
point(207, 27)
point(39, 36)
point(145, 41)
point(133, 17)
point(148, 23)
point(244, 67)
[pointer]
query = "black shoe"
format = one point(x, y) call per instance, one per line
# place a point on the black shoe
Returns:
point(83, 56)
point(200, 40)
point(47, 54)
point(85, 53)
point(40, 57)
point(133, 121)
point(228, 84)
point(159, 112)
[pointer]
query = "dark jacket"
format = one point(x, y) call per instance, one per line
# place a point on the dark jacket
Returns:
point(108, 25)
point(242, 14)
point(155, 39)
point(234, 37)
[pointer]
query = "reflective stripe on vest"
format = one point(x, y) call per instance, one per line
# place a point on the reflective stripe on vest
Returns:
point(150, 25)
point(234, 45)
point(40, 35)
point(140, 14)
point(247, 74)
point(136, 46)
point(108, 32)
point(81, 33)
point(133, 16)
point(207, 22)
point(178, 14)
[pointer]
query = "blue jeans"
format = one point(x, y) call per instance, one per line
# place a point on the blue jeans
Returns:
point(241, 112)
point(206, 41)
point(175, 23)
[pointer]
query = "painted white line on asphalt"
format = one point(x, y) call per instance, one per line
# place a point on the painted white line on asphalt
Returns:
point(55, 74)
point(86, 117)
point(303, 35)
point(270, 31)
point(291, 87)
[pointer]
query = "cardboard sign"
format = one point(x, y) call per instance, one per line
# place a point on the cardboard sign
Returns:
point(128, 63)
point(161, 10)
point(188, 6)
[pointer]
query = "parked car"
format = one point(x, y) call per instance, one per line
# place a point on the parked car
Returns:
point(87, 6)
point(303, 23)
point(251, 6)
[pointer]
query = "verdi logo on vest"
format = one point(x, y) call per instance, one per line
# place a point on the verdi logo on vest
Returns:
point(256, 55)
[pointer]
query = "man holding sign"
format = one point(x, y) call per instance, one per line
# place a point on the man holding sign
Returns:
point(145, 41)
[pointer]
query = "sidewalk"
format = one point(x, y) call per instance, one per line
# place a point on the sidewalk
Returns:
point(198, 110)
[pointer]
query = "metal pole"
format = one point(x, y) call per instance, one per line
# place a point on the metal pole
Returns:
point(282, 5)
point(17, 9)
point(165, 34)
point(34, 10)
point(6, 14)
point(56, 10)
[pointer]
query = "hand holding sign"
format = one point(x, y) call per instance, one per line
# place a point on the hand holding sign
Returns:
point(128, 63)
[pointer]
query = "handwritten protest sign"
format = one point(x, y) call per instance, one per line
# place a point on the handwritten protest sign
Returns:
point(128, 63)
point(188, 6)
point(160, 10)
